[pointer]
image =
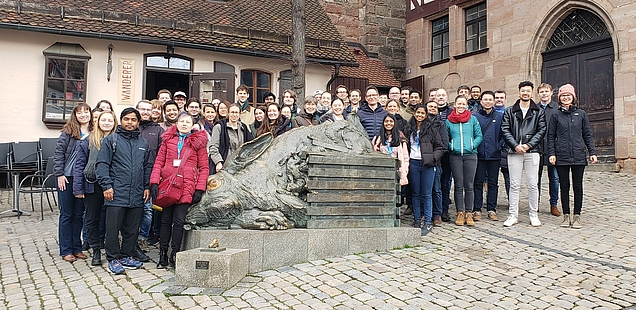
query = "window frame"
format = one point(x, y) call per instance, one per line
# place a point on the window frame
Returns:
point(444, 47)
point(55, 123)
point(477, 21)
point(253, 90)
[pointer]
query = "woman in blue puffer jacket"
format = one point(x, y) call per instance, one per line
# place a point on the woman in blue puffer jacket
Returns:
point(465, 136)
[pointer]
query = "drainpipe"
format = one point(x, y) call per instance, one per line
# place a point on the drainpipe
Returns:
point(336, 72)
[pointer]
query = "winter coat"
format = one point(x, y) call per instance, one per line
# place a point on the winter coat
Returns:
point(443, 131)
point(490, 147)
point(370, 119)
point(195, 166)
point(401, 153)
point(64, 149)
point(152, 132)
point(464, 137)
point(80, 185)
point(474, 105)
point(220, 140)
point(400, 122)
point(444, 112)
point(123, 164)
point(431, 146)
point(329, 117)
point(515, 129)
point(305, 119)
point(569, 136)
point(550, 109)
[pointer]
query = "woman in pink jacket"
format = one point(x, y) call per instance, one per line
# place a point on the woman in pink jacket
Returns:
point(392, 141)
point(181, 145)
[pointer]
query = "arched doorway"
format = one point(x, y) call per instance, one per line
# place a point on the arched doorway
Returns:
point(580, 52)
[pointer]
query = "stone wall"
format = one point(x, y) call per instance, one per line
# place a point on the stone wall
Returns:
point(379, 25)
point(514, 55)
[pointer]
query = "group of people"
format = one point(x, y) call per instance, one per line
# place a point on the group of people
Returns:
point(110, 170)
point(471, 139)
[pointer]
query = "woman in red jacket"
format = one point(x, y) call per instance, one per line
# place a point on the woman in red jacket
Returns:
point(181, 145)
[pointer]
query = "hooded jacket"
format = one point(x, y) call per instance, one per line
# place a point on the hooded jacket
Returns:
point(123, 164)
point(569, 136)
point(370, 119)
point(490, 147)
point(530, 130)
point(305, 119)
point(195, 166)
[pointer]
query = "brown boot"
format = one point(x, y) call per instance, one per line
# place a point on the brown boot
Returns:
point(460, 219)
point(469, 219)
point(476, 216)
point(555, 211)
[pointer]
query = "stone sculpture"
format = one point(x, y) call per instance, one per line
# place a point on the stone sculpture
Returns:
point(265, 185)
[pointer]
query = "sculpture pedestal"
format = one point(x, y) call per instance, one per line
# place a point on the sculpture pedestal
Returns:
point(201, 268)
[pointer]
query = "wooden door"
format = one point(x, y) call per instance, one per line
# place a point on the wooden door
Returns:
point(591, 71)
point(209, 86)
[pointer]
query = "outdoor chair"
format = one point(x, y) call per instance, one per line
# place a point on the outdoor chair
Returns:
point(46, 150)
point(40, 182)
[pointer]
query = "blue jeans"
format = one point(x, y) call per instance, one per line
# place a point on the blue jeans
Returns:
point(421, 179)
point(71, 220)
point(487, 170)
point(437, 192)
point(553, 178)
point(146, 221)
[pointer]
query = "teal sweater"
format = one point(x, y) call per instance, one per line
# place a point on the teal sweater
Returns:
point(464, 138)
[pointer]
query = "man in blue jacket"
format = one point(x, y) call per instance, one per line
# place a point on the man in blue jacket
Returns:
point(371, 113)
point(488, 155)
point(123, 172)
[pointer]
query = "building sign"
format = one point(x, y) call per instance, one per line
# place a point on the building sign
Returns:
point(126, 83)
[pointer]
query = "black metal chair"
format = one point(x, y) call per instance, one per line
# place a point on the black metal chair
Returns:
point(25, 155)
point(40, 182)
point(46, 150)
point(5, 158)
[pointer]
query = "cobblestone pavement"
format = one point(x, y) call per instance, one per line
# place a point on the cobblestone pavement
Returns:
point(484, 267)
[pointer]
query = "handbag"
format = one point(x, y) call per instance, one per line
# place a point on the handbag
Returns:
point(171, 189)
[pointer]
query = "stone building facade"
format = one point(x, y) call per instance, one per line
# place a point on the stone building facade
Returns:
point(498, 43)
point(378, 25)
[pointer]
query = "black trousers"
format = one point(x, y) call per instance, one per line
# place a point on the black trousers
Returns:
point(577, 184)
point(126, 221)
point(95, 218)
point(172, 221)
point(446, 182)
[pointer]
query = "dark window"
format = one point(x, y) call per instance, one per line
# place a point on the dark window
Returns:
point(64, 82)
point(440, 39)
point(258, 83)
point(220, 66)
point(476, 28)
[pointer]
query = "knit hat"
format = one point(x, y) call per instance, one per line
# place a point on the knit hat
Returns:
point(567, 89)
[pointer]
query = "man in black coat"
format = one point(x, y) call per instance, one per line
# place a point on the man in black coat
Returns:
point(123, 172)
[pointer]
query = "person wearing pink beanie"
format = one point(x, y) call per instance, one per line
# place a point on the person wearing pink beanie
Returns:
point(569, 137)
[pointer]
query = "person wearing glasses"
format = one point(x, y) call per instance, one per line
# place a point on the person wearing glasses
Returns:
point(371, 113)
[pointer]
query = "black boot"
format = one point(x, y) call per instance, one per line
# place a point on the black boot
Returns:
point(163, 259)
point(140, 255)
point(173, 259)
point(97, 257)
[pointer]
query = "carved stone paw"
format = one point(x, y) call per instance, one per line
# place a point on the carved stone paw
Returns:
point(272, 220)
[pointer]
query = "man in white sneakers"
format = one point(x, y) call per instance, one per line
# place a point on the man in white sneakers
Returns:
point(523, 128)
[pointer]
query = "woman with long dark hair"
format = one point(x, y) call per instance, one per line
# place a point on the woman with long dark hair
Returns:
point(569, 137)
point(77, 128)
point(276, 123)
point(227, 136)
point(390, 140)
point(182, 145)
point(425, 152)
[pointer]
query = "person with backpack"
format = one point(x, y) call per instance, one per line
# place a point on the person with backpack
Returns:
point(84, 179)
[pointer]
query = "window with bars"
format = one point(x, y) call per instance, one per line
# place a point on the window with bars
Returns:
point(258, 83)
point(440, 39)
point(579, 26)
point(476, 28)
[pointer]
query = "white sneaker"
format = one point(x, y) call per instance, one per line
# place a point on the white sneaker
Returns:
point(534, 221)
point(511, 220)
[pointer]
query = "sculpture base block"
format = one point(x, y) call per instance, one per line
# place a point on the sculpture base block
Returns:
point(202, 268)
point(273, 249)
